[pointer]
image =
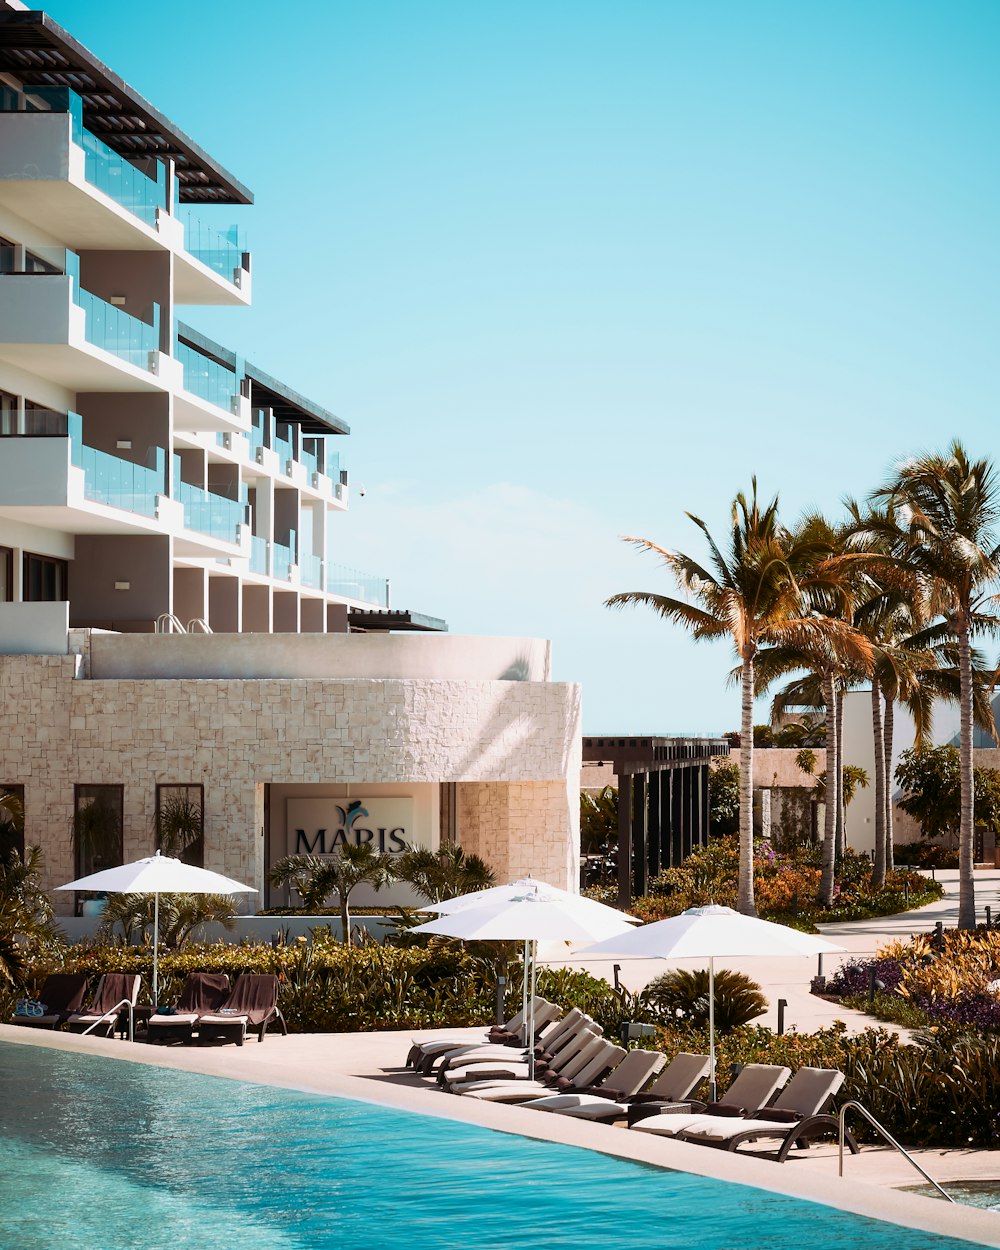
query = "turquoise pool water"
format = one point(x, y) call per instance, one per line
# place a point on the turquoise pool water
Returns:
point(98, 1153)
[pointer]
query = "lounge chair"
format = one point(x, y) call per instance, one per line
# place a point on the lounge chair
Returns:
point(441, 1051)
point(517, 1064)
point(561, 1035)
point(609, 1102)
point(510, 1033)
point(561, 1069)
point(755, 1086)
point(203, 992)
point(116, 993)
point(251, 1006)
point(61, 995)
point(794, 1119)
point(584, 1070)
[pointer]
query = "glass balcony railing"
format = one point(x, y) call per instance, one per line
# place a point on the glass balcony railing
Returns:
point(284, 558)
point(112, 481)
point(103, 168)
point(258, 555)
point(283, 449)
point(207, 379)
point(310, 459)
point(112, 328)
point(222, 251)
point(311, 572)
point(208, 513)
point(351, 584)
point(256, 439)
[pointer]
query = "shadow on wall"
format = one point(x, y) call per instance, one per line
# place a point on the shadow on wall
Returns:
point(520, 670)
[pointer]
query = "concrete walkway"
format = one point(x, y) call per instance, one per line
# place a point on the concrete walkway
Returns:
point(789, 979)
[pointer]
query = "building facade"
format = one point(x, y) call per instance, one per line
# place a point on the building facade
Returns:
point(178, 627)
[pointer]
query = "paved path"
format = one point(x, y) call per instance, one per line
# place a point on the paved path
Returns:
point(789, 979)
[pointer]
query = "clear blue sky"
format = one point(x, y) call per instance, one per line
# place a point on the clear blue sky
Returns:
point(571, 269)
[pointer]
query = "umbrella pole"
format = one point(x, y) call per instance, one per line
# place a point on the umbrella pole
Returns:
point(531, 1011)
point(524, 989)
point(711, 1028)
point(156, 947)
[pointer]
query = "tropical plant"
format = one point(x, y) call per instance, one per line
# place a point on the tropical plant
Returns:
point(25, 910)
point(316, 879)
point(683, 995)
point(444, 873)
point(179, 825)
point(941, 513)
point(754, 595)
point(931, 779)
point(179, 916)
point(724, 797)
point(11, 826)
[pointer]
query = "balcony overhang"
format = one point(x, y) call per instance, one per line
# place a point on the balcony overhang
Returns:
point(372, 620)
point(38, 52)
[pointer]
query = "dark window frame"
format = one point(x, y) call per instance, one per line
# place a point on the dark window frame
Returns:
point(85, 862)
point(60, 571)
point(194, 791)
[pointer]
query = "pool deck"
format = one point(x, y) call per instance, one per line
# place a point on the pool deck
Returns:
point(369, 1067)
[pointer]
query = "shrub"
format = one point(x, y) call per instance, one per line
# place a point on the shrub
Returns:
point(684, 995)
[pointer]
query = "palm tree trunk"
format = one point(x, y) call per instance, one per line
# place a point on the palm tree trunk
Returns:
point(829, 855)
point(878, 868)
point(745, 900)
point(966, 882)
point(345, 918)
point(887, 729)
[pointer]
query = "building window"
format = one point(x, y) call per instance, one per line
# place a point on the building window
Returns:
point(180, 822)
point(44, 579)
point(8, 414)
point(6, 575)
point(11, 821)
point(97, 828)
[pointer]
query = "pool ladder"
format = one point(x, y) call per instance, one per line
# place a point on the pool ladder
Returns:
point(889, 1138)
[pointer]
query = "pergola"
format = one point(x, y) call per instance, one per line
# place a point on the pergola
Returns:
point(663, 810)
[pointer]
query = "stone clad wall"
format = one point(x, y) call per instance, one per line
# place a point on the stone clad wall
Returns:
point(519, 742)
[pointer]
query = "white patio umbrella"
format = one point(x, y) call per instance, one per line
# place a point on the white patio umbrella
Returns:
point(710, 932)
point(532, 914)
point(158, 874)
point(517, 889)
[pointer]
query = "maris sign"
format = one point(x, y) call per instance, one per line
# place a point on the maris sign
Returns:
point(323, 826)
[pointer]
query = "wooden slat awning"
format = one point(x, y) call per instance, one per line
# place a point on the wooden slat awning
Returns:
point(39, 53)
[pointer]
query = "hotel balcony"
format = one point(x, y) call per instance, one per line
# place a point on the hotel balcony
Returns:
point(56, 481)
point(62, 177)
point(49, 325)
point(210, 398)
point(358, 587)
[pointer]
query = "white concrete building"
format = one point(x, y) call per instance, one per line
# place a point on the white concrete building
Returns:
point(176, 617)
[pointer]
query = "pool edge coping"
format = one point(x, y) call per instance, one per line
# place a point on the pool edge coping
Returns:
point(267, 1066)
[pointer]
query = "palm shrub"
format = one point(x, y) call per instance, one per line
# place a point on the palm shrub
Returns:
point(179, 916)
point(683, 994)
point(316, 879)
point(444, 873)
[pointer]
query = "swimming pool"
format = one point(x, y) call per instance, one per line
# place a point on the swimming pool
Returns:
point(101, 1153)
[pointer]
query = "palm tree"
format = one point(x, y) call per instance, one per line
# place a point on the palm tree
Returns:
point(315, 879)
point(942, 512)
point(755, 596)
point(444, 873)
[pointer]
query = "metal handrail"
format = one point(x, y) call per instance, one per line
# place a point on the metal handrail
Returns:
point(890, 1139)
point(167, 623)
point(125, 1002)
point(198, 623)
